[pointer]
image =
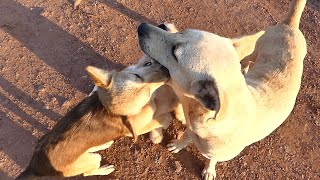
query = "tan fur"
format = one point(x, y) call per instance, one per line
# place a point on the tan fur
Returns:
point(120, 107)
point(246, 44)
point(230, 111)
point(166, 101)
point(164, 98)
point(244, 47)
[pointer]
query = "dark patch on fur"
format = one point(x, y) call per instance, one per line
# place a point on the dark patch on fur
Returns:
point(204, 90)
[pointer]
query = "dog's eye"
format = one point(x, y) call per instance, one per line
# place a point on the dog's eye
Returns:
point(173, 49)
point(147, 64)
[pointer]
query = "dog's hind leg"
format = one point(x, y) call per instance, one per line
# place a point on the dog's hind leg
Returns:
point(209, 171)
point(101, 147)
point(96, 169)
point(156, 135)
point(87, 164)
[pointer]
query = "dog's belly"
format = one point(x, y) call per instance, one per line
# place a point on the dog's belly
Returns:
point(216, 148)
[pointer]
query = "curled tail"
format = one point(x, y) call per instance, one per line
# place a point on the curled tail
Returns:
point(294, 15)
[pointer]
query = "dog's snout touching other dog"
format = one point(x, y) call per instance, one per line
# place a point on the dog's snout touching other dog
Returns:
point(216, 97)
point(164, 97)
point(130, 102)
point(123, 105)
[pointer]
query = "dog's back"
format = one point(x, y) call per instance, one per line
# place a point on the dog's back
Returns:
point(275, 77)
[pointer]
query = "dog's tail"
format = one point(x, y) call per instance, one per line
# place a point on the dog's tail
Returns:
point(294, 15)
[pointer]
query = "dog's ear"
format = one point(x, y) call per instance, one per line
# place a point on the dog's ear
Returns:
point(206, 92)
point(100, 77)
point(246, 44)
point(168, 27)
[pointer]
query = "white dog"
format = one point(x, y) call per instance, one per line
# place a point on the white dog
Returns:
point(226, 111)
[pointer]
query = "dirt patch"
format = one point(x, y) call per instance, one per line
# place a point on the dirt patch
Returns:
point(45, 46)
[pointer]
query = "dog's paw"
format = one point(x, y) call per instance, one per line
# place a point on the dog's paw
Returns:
point(106, 169)
point(156, 136)
point(108, 144)
point(102, 171)
point(208, 174)
point(175, 146)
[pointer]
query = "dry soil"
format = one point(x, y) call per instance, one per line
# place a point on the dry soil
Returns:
point(45, 46)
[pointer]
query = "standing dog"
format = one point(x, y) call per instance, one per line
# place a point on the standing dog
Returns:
point(226, 111)
point(120, 107)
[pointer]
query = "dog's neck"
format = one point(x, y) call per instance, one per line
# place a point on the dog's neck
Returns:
point(122, 103)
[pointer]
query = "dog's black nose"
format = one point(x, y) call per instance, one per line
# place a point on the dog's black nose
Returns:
point(143, 29)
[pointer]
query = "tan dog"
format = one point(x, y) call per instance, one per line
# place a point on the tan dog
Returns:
point(235, 110)
point(165, 99)
point(120, 107)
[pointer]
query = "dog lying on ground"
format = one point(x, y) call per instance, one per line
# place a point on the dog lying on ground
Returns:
point(120, 107)
point(226, 111)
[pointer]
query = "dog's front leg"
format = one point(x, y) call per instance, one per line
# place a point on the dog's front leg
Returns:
point(177, 144)
point(209, 171)
point(155, 134)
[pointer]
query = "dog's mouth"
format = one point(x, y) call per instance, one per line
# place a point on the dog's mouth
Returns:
point(165, 71)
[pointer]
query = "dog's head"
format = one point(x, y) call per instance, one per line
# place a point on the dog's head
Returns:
point(202, 65)
point(145, 59)
point(127, 91)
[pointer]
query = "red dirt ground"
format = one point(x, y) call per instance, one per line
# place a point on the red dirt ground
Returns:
point(45, 46)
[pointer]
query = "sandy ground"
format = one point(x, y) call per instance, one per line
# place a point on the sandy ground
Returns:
point(45, 46)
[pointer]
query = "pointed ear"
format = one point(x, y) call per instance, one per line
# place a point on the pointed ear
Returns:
point(246, 44)
point(100, 77)
point(206, 92)
point(168, 27)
